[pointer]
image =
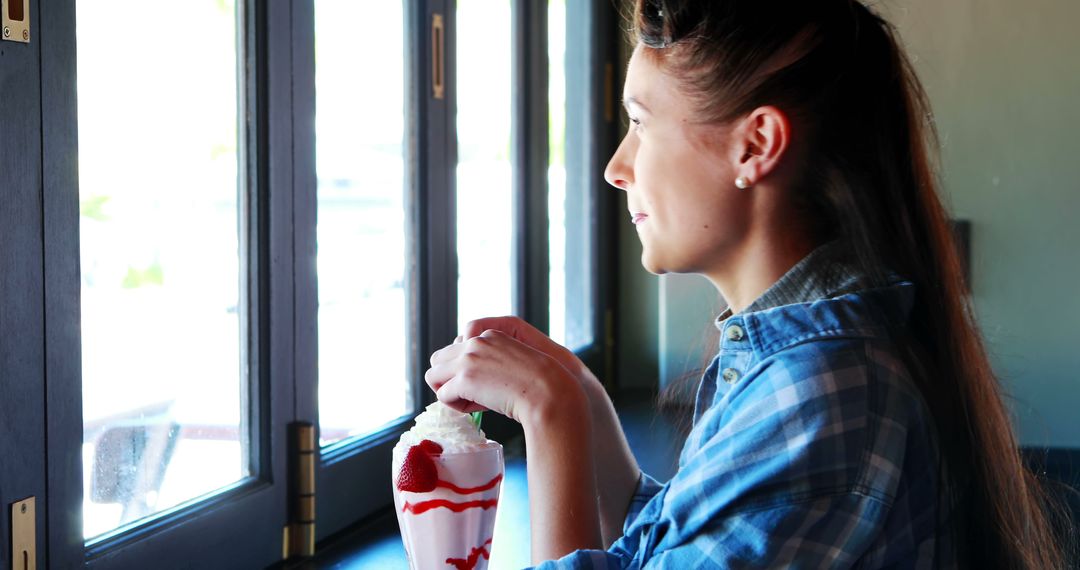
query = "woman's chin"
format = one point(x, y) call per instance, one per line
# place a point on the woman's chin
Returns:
point(651, 265)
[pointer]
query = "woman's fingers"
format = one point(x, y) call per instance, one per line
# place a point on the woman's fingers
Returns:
point(524, 332)
point(461, 361)
point(461, 345)
point(490, 371)
point(512, 326)
point(454, 351)
point(448, 352)
point(450, 394)
point(440, 377)
point(533, 338)
point(475, 327)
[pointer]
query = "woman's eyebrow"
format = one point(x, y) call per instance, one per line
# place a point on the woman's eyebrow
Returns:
point(627, 101)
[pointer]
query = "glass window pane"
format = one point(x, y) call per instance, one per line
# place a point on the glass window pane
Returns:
point(362, 233)
point(164, 390)
point(485, 219)
point(570, 232)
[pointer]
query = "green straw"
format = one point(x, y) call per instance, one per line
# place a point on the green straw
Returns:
point(477, 417)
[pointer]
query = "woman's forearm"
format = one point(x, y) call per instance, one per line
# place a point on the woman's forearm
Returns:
point(562, 487)
point(616, 469)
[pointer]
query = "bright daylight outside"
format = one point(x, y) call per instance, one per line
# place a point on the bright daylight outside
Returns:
point(362, 245)
point(164, 370)
point(561, 331)
point(485, 217)
point(163, 374)
point(484, 173)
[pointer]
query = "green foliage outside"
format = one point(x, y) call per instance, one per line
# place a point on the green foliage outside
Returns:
point(136, 278)
point(94, 208)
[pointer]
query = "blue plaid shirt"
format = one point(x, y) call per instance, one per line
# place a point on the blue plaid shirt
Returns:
point(811, 448)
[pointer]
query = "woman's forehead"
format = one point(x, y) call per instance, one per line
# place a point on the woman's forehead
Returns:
point(654, 91)
point(647, 85)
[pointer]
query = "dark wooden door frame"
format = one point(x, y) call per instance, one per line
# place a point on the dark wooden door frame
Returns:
point(22, 288)
point(63, 351)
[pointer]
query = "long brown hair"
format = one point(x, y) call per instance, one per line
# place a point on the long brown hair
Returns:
point(837, 69)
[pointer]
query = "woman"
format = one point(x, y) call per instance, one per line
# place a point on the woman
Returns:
point(781, 149)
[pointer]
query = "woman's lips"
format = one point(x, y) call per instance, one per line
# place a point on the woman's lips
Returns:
point(638, 218)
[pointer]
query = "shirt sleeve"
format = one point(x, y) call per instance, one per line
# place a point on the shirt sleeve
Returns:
point(808, 534)
point(647, 488)
point(775, 483)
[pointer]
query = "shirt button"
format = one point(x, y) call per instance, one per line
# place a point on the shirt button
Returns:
point(730, 375)
point(735, 332)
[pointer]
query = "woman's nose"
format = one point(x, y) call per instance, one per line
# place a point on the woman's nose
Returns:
point(618, 172)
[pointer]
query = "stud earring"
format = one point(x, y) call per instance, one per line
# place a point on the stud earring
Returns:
point(742, 183)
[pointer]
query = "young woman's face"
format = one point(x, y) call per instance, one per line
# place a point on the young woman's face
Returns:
point(679, 177)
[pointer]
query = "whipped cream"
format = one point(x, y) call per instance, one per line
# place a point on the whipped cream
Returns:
point(451, 429)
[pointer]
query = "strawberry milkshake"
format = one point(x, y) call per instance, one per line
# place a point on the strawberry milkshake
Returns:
point(447, 477)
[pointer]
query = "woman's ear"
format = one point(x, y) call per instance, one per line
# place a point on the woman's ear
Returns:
point(761, 139)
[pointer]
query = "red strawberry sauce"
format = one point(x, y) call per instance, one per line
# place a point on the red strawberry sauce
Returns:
point(470, 490)
point(474, 557)
point(425, 506)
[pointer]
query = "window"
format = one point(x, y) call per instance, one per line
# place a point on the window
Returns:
point(570, 200)
point(253, 237)
point(163, 321)
point(363, 278)
point(485, 169)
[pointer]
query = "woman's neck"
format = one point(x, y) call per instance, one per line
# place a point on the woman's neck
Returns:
point(751, 270)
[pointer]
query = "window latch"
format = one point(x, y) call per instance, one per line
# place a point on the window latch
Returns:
point(24, 535)
point(15, 15)
point(438, 57)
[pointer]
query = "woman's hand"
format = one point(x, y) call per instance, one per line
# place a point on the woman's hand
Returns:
point(496, 372)
point(615, 467)
point(529, 335)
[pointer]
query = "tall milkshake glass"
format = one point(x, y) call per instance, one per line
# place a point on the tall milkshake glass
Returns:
point(445, 494)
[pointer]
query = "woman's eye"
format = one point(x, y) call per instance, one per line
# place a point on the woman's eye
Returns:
point(636, 122)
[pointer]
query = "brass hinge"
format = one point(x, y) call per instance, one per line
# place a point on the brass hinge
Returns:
point(24, 535)
point(298, 537)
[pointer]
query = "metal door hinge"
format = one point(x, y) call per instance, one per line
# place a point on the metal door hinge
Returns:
point(24, 535)
point(298, 537)
point(15, 17)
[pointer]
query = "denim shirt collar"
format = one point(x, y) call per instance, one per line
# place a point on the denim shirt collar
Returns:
point(825, 272)
point(747, 339)
point(838, 307)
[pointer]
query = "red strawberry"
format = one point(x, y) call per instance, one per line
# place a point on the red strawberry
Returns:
point(430, 447)
point(418, 473)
